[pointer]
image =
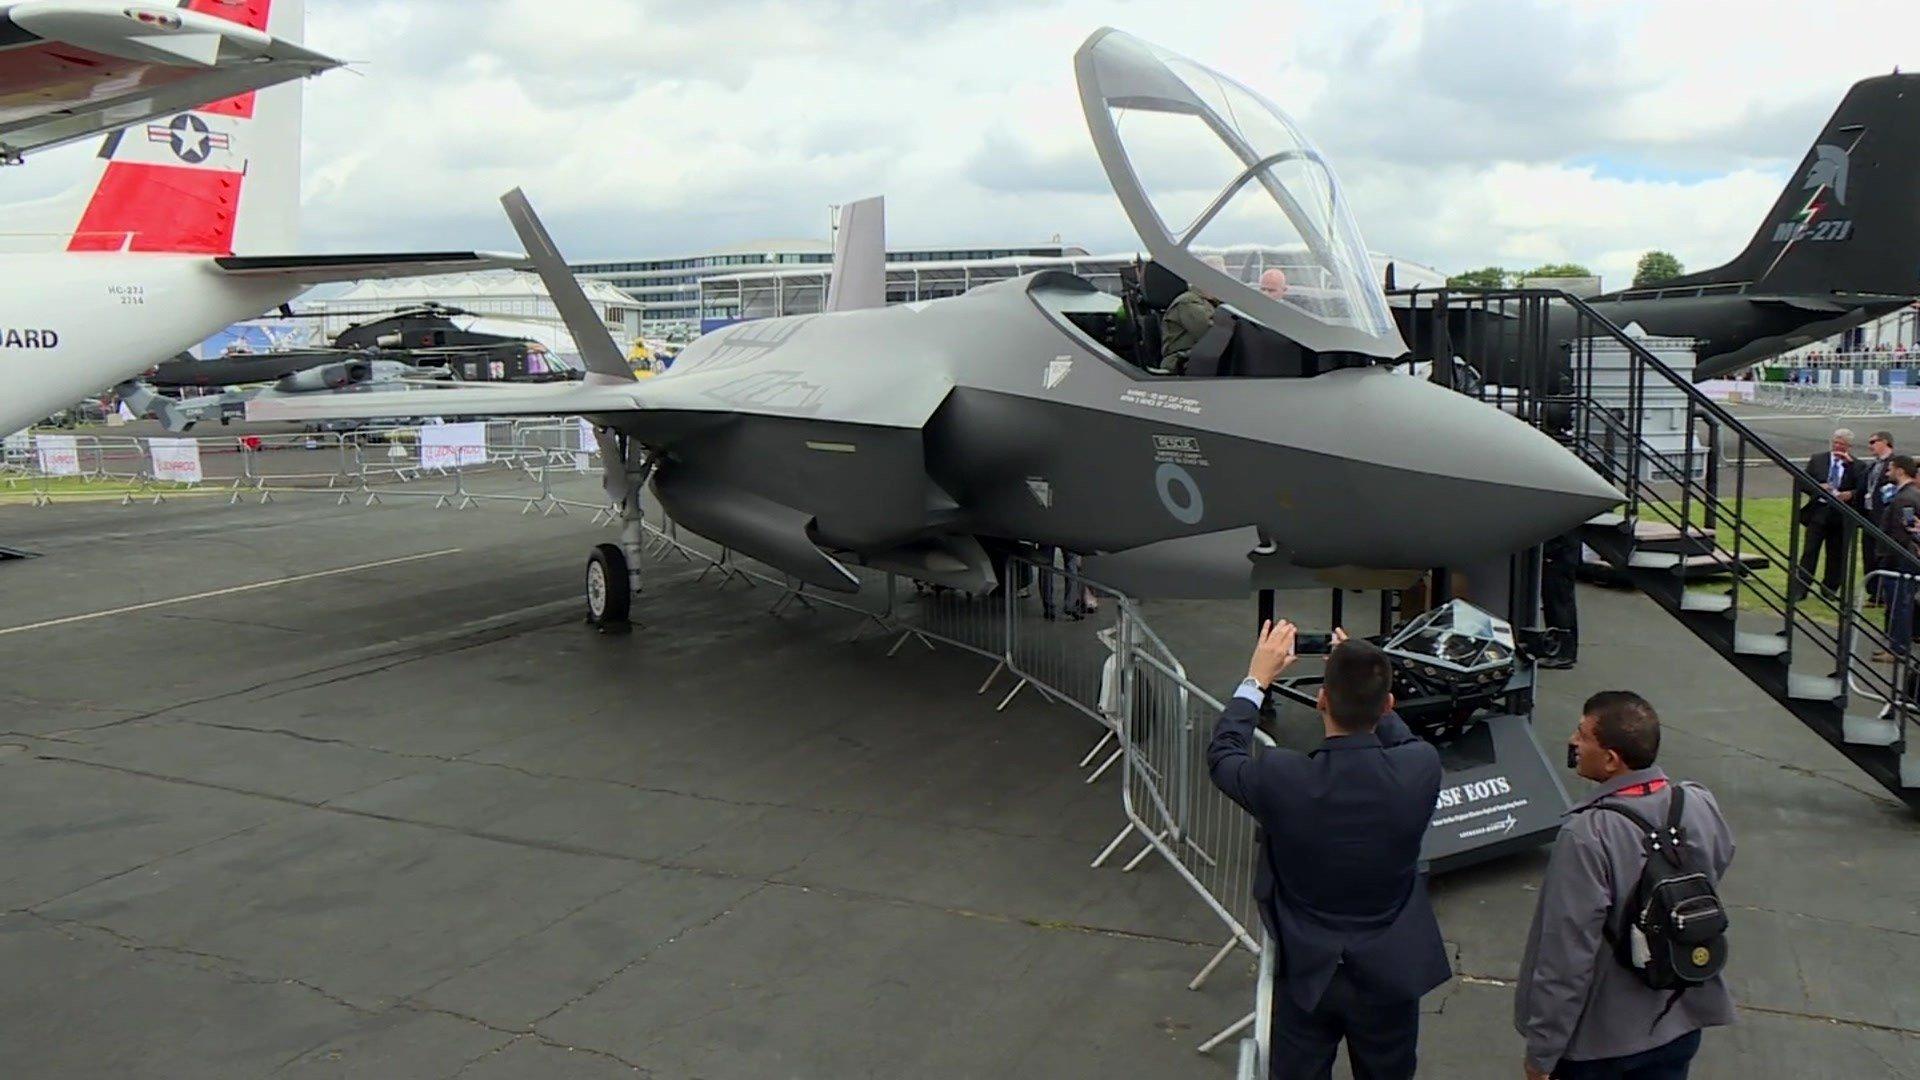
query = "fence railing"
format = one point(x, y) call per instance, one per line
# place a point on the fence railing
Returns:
point(1833, 400)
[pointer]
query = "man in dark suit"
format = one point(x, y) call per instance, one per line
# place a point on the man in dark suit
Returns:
point(1867, 499)
point(1339, 880)
point(1839, 475)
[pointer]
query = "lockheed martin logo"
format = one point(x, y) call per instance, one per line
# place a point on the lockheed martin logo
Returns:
point(189, 137)
point(1829, 170)
point(1057, 370)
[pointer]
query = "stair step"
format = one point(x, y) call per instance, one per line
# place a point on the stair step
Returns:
point(1706, 602)
point(1612, 519)
point(1870, 730)
point(1661, 530)
point(1910, 766)
point(1655, 560)
point(1814, 688)
point(1752, 643)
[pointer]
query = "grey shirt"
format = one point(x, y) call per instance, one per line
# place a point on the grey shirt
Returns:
point(1574, 999)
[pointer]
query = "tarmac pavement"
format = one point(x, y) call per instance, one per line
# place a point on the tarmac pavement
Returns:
point(375, 803)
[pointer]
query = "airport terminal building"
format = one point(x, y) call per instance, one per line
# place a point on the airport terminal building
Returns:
point(670, 297)
point(925, 275)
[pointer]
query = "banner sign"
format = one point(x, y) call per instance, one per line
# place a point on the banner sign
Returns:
point(453, 446)
point(585, 445)
point(1903, 401)
point(59, 454)
point(18, 445)
point(176, 461)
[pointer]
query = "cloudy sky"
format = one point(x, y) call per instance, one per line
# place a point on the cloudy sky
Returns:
point(1499, 131)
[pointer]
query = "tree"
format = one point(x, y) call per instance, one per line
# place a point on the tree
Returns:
point(1655, 267)
point(1487, 277)
point(1556, 270)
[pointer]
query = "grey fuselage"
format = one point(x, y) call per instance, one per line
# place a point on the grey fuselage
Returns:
point(904, 435)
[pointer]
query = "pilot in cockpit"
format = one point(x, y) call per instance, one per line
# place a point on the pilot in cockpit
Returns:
point(1186, 321)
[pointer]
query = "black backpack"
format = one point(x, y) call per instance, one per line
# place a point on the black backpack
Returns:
point(1675, 936)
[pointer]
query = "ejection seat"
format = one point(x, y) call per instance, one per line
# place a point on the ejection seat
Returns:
point(1148, 290)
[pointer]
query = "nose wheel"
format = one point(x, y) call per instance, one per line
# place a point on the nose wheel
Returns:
point(609, 589)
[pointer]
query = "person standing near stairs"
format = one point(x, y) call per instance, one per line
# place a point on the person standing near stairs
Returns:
point(1838, 475)
point(1869, 498)
point(1899, 520)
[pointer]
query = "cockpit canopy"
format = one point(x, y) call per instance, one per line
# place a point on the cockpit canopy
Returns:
point(1228, 193)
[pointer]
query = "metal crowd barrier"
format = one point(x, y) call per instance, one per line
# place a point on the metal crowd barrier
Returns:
point(1830, 399)
point(369, 465)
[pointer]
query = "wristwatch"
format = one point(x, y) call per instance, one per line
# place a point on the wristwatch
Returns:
point(1253, 684)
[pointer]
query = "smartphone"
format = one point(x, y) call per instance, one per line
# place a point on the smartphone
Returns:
point(1311, 644)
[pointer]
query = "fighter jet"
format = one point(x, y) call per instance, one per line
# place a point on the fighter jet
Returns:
point(1836, 250)
point(308, 374)
point(921, 437)
point(77, 68)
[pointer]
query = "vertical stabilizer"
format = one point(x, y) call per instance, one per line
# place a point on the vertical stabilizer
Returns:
point(859, 277)
point(222, 179)
point(1849, 220)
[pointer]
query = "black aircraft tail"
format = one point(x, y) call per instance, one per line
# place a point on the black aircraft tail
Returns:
point(1849, 219)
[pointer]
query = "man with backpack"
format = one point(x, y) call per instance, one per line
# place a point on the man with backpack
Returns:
point(1622, 968)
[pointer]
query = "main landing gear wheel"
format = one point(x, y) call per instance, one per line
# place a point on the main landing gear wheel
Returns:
point(609, 590)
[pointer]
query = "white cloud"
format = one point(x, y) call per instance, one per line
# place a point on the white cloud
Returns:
point(1508, 132)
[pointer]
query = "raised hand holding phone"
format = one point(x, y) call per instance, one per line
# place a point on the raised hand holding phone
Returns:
point(1273, 653)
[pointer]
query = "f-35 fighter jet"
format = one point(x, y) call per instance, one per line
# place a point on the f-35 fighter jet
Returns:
point(921, 437)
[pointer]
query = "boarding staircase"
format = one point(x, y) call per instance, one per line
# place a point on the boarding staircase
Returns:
point(1701, 529)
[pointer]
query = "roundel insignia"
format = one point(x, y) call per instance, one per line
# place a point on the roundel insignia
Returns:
point(1701, 955)
point(1179, 494)
point(189, 137)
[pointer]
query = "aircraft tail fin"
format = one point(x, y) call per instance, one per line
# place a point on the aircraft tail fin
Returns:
point(221, 179)
point(1848, 221)
point(141, 400)
point(605, 365)
point(859, 277)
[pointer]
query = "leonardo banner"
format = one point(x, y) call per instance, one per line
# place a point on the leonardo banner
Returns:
point(59, 454)
point(453, 446)
point(176, 460)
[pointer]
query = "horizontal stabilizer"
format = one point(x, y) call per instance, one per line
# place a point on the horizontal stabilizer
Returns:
point(319, 269)
point(83, 67)
point(1804, 303)
point(469, 399)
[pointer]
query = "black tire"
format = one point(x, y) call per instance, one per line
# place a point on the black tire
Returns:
point(609, 593)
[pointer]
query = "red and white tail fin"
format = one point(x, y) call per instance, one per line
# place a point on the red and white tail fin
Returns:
point(222, 179)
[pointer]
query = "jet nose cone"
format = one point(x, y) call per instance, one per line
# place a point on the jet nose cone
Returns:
point(1449, 480)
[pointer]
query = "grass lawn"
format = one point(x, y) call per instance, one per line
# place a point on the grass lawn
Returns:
point(1767, 530)
point(28, 489)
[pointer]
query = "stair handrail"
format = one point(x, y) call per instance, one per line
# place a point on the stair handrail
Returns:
point(1700, 401)
point(1720, 414)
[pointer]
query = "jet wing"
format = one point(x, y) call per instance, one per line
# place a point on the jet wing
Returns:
point(1816, 304)
point(494, 399)
point(320, 269)
point(72, 69)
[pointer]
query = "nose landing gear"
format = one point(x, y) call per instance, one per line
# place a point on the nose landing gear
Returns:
point(613, 570)
point(609, 595)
